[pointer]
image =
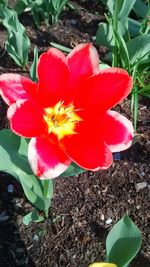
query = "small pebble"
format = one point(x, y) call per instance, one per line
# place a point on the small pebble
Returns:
point(141, 174)
point(73, 21)
point(35, 238)
point(10, 188)
point(140, 186)
point(109, 221)
point(3, 216)
point(102, 217)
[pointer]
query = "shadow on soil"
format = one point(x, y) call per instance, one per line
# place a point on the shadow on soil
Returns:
point(13, 251)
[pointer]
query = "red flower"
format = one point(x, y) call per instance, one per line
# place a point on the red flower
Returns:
point(67, 112)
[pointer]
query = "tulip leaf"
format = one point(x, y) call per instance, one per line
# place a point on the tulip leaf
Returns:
point(32, 189)
point(123, 242)
point(139, 48)
point(61, 47)
point(140, 8)
point(20, 6)
point(110, 5)
point(103, 66)
point(125, 9)
point(73, 169)
point(11, 160)
point(47, 188)
point(17, 46)
point(32, 216)
point(13, 155)
point(133, 27)
point(104, 35)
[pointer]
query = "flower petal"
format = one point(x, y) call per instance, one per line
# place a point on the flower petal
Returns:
point(103, 91)
point(83, 60)
point(47, 160)
point(116, 130)
point(26, 119)
point(53, 73)
point(14, 87)
point(89, 153)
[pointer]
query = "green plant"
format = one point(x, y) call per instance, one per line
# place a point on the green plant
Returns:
point(13, 151)
point(122, 244)
point(42, 10)
point(18, 43)
point(33, 68)
point(4, 2)
point(128, 43)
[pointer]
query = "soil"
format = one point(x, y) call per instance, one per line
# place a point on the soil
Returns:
point(86, 206)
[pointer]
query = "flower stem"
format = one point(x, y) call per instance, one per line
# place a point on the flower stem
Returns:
point(47, 193)
point(46, 189)
point(115, 29)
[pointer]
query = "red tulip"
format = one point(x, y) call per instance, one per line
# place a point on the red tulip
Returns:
point(67, 113)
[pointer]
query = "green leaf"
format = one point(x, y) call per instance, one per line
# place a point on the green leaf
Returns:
point(146, 94)
point(125, 9)
point(27, 218)
point(103, 66)
point(10, 19)
point(138, 48)
point(144, 65)
point(73, 169)
point(11, 160)
point(33, 69)
point(47, 189)
point(58, 5)
point(4, 2)
point(124, 55)
point(17, 46)
point(133, 27)
point(18, 42)
point(140, 8)
point(110, 5)
point(32, 190)
point(145, 91)
point(20, 6)
point(61, 47)
point(104, 35)
point(32, 216)
point(123, 242)
point(36, 13)
point(136, 104)
point(13, 155)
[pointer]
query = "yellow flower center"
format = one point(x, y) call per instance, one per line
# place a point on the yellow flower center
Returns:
point(61, 120)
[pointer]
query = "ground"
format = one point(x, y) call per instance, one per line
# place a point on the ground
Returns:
point(86, 206)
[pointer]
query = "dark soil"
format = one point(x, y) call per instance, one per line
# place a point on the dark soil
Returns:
point(75, 232)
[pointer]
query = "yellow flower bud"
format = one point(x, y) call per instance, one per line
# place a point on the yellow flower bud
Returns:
point(102, 264)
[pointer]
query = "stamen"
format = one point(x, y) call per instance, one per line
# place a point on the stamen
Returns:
point(61, 120)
